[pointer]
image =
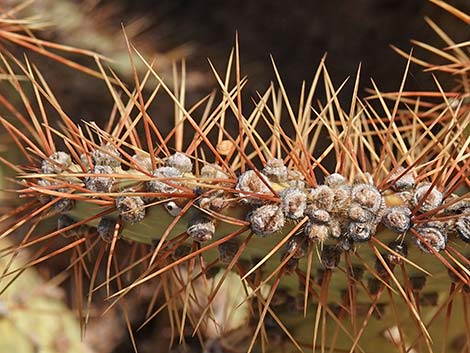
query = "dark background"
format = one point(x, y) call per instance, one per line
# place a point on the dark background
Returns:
point(297, 33)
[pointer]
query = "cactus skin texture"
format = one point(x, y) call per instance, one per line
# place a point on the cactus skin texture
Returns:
point(349, 245)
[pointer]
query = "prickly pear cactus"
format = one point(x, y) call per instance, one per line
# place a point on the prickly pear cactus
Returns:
point(346, 228)
point(33, 315)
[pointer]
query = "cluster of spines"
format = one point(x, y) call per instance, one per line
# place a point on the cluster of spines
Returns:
point(345, 225)
point(348, 213)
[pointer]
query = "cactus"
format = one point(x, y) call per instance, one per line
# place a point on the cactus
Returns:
point(33, 316)
point(348, 227)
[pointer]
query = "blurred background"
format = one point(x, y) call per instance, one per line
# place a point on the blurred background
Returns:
point(296, 33)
